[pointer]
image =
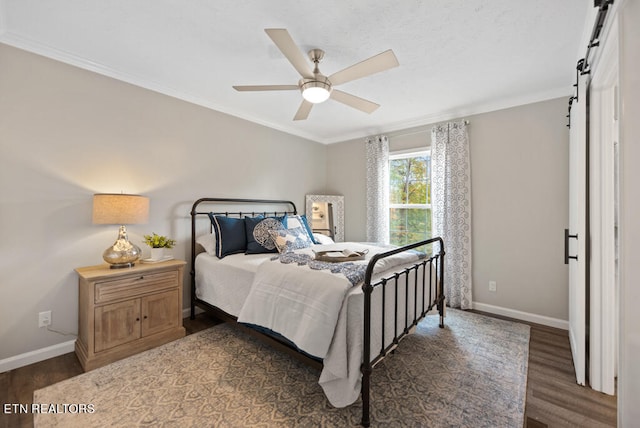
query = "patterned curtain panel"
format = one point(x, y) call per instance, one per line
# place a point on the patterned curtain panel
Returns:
point(377, 152)
point(451, 207)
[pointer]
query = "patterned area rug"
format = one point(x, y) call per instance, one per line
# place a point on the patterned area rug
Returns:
point(472, 373)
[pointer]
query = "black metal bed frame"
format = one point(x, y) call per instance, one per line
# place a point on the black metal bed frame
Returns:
point(434, 291)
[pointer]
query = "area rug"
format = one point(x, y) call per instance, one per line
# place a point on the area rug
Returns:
point(472, 373)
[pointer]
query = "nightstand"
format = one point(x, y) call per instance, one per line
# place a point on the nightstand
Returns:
point(125, 311)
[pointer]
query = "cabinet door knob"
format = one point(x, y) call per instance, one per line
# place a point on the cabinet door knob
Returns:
point(145, 317)
point(138, 319)
point(141, 277)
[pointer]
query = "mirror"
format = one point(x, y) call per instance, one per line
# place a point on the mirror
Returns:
point(326, 215)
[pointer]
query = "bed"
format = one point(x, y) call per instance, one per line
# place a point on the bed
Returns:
point(339, 317)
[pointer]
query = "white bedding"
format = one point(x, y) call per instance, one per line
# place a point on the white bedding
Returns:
point(301, 303)
point(225, 283)
point(336, 326)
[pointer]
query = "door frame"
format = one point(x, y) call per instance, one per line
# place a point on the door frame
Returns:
point(603, 136)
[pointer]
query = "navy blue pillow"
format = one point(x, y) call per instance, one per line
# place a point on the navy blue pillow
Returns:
point(231, 237)
point(258, 239)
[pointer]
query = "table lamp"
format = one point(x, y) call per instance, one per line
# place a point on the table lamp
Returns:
point(122, 209)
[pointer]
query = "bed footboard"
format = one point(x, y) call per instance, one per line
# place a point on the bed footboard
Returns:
point(426, 294)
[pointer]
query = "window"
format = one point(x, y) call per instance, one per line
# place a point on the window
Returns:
point(409, 197)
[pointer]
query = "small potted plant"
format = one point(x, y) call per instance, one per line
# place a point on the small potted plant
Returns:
point(158, 243)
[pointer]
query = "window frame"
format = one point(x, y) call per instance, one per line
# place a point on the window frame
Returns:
point(404, 154)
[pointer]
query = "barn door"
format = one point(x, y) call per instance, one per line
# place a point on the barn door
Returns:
point(576, 235)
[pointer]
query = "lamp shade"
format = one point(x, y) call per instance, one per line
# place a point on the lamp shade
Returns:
point(116, 208)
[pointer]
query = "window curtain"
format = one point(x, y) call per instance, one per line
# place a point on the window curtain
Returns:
point(377, 153)
point(451, 207)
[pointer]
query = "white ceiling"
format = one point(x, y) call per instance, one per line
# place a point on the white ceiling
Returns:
point(457, 57)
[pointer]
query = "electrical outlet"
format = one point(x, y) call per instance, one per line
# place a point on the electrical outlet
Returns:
point(44, 319)
point(493, 286)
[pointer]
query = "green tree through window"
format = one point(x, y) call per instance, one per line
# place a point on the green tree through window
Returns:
point(409, 197)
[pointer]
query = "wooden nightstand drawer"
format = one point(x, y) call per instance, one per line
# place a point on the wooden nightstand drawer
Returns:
point(134, 285)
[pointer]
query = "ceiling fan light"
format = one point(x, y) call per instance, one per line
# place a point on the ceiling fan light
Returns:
point(315, 95)
point(315, 91)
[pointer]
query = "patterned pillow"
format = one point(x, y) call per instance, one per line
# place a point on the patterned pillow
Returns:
point(287, 240)
point(294, 221)
point(258, 238)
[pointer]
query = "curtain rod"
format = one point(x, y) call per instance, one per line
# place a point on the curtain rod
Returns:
point(401, 134)
point(583, 67)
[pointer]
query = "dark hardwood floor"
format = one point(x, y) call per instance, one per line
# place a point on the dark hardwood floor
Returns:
point(553, 397)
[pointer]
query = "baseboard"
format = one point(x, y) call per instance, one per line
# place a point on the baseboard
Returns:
point(524, 316)
point(42, 354)
point(36, 356)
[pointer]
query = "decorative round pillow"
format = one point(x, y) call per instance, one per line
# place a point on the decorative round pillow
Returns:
point(261, 232)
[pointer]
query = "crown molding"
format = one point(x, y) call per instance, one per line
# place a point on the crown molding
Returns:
point(458, 113)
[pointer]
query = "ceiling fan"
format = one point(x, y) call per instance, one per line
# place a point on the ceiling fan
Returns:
point(315, 86)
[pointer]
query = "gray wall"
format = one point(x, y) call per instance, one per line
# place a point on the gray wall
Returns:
point(67, 133)
point(519, 181)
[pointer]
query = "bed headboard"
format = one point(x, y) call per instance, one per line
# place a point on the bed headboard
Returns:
point(232, 207)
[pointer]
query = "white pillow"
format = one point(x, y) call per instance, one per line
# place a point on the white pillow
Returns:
point(208, 242)
point(323, 239)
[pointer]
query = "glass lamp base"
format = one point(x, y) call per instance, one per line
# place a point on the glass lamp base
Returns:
point(122, 254)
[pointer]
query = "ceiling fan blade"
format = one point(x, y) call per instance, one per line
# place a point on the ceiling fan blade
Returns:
point(303, 110)
point(290, 50)
point(381, 62)
point(266, 87)
point(353, 101)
